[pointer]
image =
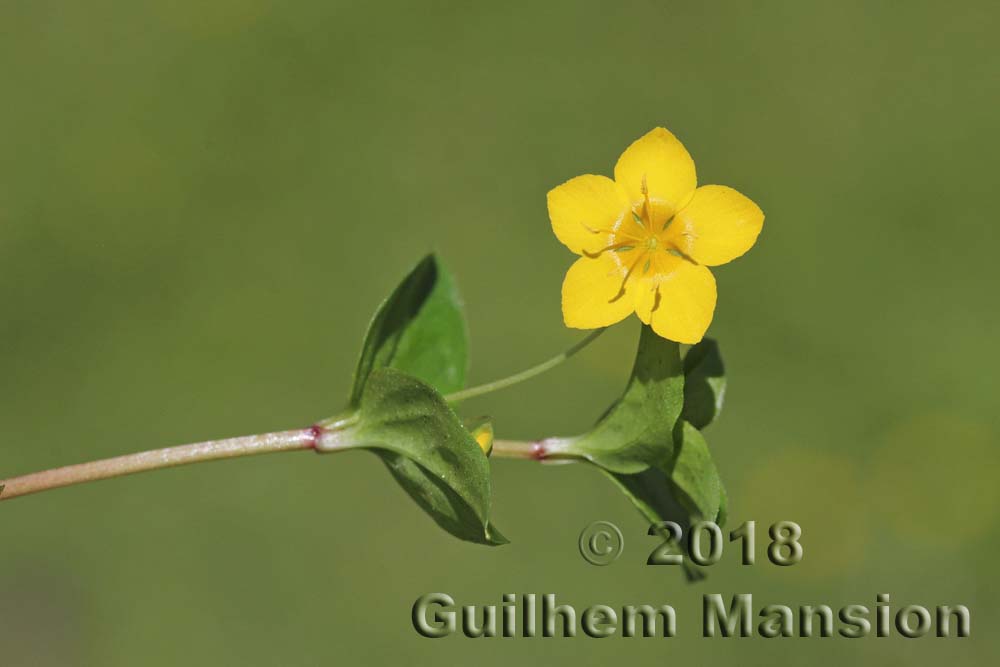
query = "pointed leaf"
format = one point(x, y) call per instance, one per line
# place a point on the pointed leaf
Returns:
point(637, 432)
point(704, 383)
point(689, 492)
point(426, 448)
point(447, 507)
point(420, 329)
point(660, 462)
point(693, 473)
point(723, 505)
point(651, 492)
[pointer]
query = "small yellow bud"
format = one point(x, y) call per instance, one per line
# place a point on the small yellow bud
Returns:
point(482, 431)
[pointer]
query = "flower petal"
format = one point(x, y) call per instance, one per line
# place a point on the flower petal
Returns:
point(717, 225)
point(584, 210)
point(664, 163)
point(678, 301)
point(592, 294)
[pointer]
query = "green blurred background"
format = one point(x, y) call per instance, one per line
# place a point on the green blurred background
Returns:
point(202, 203)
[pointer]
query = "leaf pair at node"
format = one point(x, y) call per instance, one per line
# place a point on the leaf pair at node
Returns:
point(649, 443)
point(414, 353)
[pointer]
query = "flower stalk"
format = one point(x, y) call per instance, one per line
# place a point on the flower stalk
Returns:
point(517, 378)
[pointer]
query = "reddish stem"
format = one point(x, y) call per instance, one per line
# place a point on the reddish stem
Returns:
point(128, 464)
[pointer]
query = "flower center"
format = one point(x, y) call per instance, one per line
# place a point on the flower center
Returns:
point(637, 245)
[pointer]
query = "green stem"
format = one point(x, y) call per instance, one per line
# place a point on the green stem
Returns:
point(517, 378)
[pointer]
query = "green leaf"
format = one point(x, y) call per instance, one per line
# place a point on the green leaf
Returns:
point(420, 329)
point(651, 492)
point(689, 491)
point(428, 451)
point(693, 473)
point(704, 383)
point(660, 462)
point(637, 431)
point(723, 505)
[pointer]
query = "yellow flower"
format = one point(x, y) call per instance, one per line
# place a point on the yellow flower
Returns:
point(646, 240)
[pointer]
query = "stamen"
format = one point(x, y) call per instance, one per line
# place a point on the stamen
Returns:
point(677, 252)
point(647, 205)
point(617, 247)
point(628, 274)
